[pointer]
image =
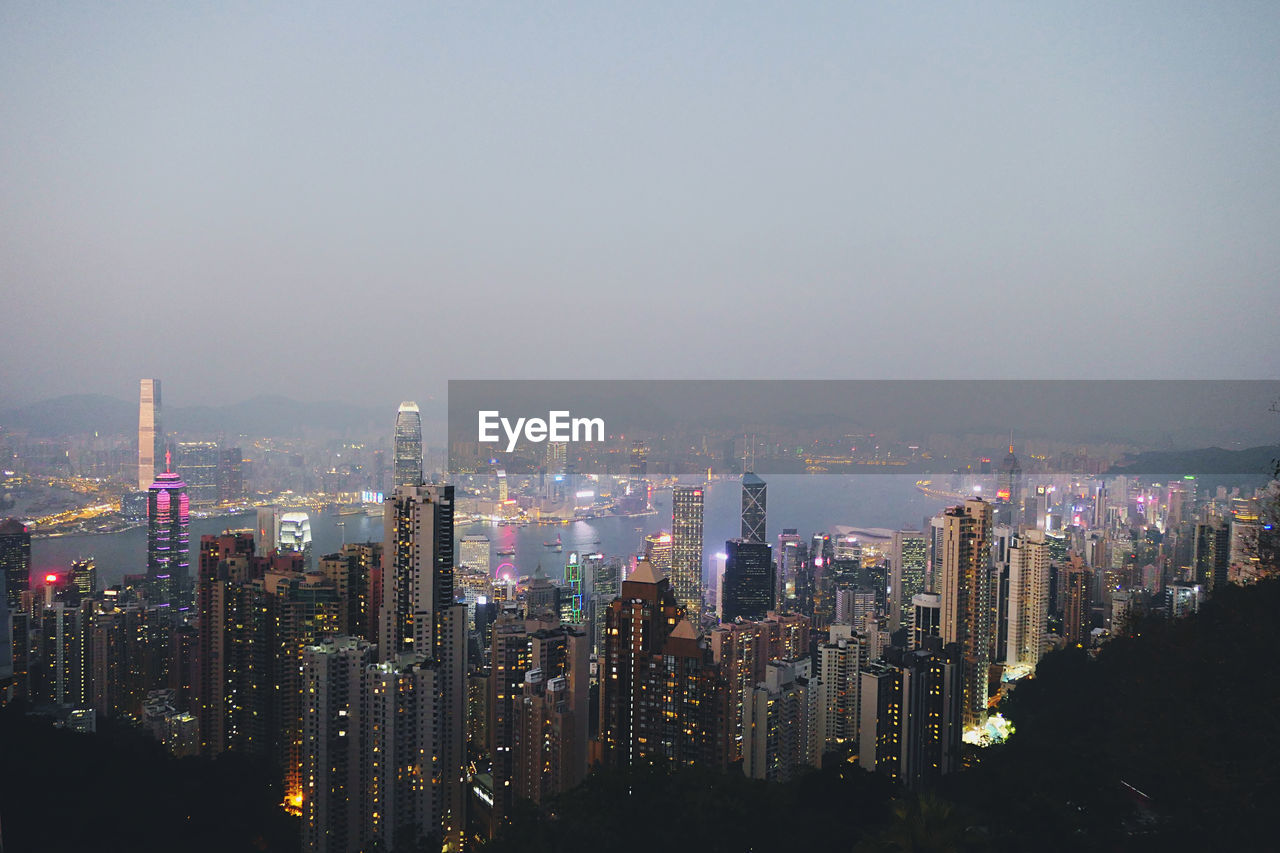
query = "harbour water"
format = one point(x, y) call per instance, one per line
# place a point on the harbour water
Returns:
point(807, 503)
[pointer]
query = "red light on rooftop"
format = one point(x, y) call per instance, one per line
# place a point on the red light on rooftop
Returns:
point(50, 578)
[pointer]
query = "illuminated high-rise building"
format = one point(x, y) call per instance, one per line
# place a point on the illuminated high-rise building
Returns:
point(60, 673)
point(741, 651)
point(371, 751)
point(474, 553)
point(547, 756)
point(168, 549)
point(1211, 555)
point(780, 723)
point(550, 715)
point(509, 663)
point(1009, 489)
point(1077, 582)
point(84, 575)
point(748, 580)
point(333, 680)
point(150, 434)
point(964, 587)
point(225, 565)
point(908, 565)
point(753, 508)
point(354, 571)
point(1028, 597)
point(572, 609)
point(686, 548)
point(293, 536)
point(6, 646)
point(418, 566)
point(838, 663)
point(790, 556)
point(639, 462)
point(198, 462)
point(421, 616)
point(661, 697)
point(657, 550)
point(231, 475)
point(407, 465)
point(15, 560)
point(910, 707)
point(605, 576)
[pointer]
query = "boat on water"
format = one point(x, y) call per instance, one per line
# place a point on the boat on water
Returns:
point(506, 552)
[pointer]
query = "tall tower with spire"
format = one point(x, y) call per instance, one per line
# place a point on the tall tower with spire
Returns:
point(168, 532)
point(1009, 483)
point(753, 508)
point(407, 464)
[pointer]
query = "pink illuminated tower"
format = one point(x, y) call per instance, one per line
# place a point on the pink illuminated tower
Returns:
point(168, 521)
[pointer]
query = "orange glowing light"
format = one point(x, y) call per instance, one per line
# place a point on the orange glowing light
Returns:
point(293, 803)
point(50, 578)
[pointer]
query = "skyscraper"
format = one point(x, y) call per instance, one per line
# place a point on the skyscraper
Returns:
point(686, 548)
point(1076, 581)
point(839, 690)
point(6, 646)
point(230, 475)
point(925, 620)
point(333, 674)
point(1211, 553)
point(910, 726)
point(418, 557)
point(572, 609)
point(657, 550)
point(150, 435)
point(753, 508)
point(168, 552)
point(408, 445)
point(197, 463)
point(748, 580)
point(549, 748)
point(661, 698)
point(791, 554)
point(964, 587)
point(421, 617)
point(605, 576)
point(60, 674)
point(1028, 609)
point(780, 723)
point(474, 553)
point(908, 562)
point(372, 751)
point(293, 535)
point(15, 560)
point(1009, 488)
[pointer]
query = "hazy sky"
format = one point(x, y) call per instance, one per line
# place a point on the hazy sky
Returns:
point(364, 200)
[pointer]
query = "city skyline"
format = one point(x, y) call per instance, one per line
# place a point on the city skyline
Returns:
point(909, 474)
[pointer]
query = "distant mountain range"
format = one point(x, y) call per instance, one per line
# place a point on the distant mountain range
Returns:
point(1208, 461)
point(80, 414)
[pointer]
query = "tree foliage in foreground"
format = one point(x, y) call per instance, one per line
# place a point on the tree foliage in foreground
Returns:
point(119, 790)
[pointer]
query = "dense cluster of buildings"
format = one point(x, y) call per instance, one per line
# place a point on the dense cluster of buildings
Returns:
point(410, 694)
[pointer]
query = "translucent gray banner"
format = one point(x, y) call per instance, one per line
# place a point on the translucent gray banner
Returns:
point(668, 428)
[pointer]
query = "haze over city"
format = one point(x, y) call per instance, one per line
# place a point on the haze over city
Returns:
point(247, 199)
point(696, 427)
